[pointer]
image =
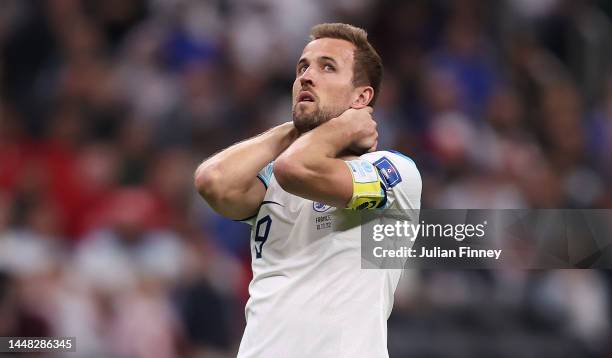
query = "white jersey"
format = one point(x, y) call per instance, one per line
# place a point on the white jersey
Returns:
point(309, 296)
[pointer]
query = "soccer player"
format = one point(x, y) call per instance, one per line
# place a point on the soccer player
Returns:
point(300, 185)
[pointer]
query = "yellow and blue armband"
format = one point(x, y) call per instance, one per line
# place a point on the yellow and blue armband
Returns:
point(368, 192)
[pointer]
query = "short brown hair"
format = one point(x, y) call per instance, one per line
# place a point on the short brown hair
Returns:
point(367, 64)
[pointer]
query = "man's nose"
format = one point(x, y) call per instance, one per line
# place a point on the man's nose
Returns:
point(306, 78)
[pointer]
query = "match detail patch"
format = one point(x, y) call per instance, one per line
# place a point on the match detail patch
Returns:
point(363, 171)
point(388, 172)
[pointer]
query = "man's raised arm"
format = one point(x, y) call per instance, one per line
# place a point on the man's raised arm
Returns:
point(228, 180)
point(311, 167)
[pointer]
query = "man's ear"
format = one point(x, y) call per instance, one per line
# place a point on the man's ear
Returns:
point(363, 97)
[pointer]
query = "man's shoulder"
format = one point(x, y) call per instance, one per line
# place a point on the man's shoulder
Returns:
point(384, 158)
point(394, 167)
point(393, 155)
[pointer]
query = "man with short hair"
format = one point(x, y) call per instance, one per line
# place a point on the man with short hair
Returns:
point(300, 185)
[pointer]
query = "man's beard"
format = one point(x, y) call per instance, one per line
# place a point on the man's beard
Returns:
point(305, 122)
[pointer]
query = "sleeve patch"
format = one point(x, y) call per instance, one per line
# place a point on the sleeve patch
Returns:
point(388, 172)
point(363, 172)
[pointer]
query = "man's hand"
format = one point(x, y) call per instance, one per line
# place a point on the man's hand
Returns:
point(361, 128)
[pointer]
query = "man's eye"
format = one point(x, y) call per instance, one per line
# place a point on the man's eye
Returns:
point(329, 68)
point(302, 68)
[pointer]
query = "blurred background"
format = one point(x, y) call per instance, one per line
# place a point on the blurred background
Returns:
point(107, 107)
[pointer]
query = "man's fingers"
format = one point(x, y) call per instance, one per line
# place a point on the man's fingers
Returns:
point(368, 109)
point(373, 148)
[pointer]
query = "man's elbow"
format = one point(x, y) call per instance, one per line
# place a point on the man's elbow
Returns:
point(207, 182)
point(289, 173)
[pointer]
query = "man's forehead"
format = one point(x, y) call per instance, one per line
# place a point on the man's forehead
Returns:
point(340, 50)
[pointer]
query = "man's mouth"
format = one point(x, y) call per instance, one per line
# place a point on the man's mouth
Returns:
point(305, 96)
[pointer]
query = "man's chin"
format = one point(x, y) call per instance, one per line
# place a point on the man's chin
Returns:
point(304, 124)
point(307, 117)
point(304, 119)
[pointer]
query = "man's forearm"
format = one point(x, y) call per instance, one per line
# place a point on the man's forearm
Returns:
point(245, 159)
point(228, 175)
point(308, 167)
point(325, 142)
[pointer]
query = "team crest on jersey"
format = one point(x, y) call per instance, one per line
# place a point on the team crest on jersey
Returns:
point(320, 207)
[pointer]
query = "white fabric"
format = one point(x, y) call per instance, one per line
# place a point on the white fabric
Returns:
point(309, 295)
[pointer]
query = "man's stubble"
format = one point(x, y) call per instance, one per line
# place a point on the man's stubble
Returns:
point(305, 122)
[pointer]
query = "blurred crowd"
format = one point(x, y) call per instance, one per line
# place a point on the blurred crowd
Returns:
point(107, 107)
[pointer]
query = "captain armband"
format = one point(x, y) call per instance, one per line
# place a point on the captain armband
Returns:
point(368, 192)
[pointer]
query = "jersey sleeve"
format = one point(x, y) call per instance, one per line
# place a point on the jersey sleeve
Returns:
point(400, 177)
point(265, 176)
